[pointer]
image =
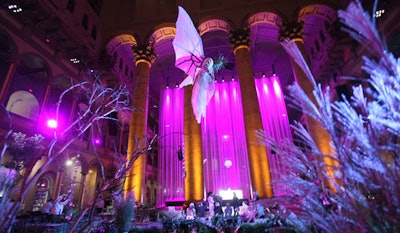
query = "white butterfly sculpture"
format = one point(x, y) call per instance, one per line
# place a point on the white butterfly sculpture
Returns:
point(189, 57)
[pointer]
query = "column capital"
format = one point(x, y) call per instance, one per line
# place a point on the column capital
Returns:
point(292, 30)
point(144, 53)
point(240, 38)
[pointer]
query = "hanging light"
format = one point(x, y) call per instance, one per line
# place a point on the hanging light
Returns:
point(273, 70)
point(228, 163)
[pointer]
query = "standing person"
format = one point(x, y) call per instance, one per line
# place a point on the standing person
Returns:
point(255, 196)
point(201, 209)
point(236, 204)
point(58, 207)
point(218, 205)
point(210, 200)
point(46, 208)
point(190, 212)
point(228, 210)
point(99, 205)
point(260, 211)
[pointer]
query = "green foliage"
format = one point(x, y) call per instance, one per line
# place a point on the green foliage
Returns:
point(226, 223)
point(145, 230)
point(205, 229)
point(246, 228)
point(25, 151)
point(264, 227)
point(103, 227)
point(124, 212)
point(171, 224)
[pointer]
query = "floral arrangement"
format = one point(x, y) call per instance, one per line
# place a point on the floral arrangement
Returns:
point(7, 177)
point(25, 150)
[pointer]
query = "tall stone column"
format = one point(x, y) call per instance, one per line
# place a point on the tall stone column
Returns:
point(258, 157)
point(82, 191)
point(294, 31)
point(194, 185)
point(58, 183)
point(72, 111)
point(7, 81)
point(144, 57)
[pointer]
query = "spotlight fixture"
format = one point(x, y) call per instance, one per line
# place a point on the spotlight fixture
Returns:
point(52, 123)
point(14, 8)
point(47, 39)
point(180, 154)
point(97, 141)
point(75, 60)
point(273, 70)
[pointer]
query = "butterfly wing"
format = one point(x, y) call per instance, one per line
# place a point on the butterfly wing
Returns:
point(188, 47)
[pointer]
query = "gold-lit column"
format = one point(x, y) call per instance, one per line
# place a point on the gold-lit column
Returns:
point(72, 111)
point(258, 157)
point(7, 81)
point(81, 190)
point(59, 180)
point(144, 57)
point(121, 135)
point(194, 185)
point(294, 31)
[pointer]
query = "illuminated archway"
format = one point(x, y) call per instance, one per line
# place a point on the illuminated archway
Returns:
point(24, 104)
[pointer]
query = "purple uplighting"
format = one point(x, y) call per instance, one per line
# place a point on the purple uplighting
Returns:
point(275, 123)
point(97, 141)
point(224, 144)
point(171, 180)
point(226, 165)
point(52, 123)
point(224, 141)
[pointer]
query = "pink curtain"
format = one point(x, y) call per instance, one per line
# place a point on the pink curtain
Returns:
point(275, 123)
point(170, 175)
point(224, 141)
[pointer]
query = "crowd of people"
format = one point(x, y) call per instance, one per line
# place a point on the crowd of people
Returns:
point(53, 210)
point(213, 206)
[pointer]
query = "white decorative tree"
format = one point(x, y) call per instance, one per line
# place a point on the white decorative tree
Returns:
point(102, 102)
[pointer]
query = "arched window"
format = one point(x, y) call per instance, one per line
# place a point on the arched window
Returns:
point(24, 104)
point(27, 90)
point(44, 187)
point(8, 51)
point(94, 32)
point(71, 5)
point(60, 84)
point(85, 21)
point(121, 63)
point(96, 5)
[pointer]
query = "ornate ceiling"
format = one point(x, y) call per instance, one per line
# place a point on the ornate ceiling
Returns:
point(263, 18)
point(126, 23)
